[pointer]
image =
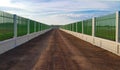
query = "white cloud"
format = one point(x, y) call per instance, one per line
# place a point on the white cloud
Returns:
point(8, 3)
point(57, 20)
point(58, 11)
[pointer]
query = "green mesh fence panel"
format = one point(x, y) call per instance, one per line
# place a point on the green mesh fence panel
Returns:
point(40, 27)
point(74, 27)
point(37, 26)
point(65, 27)
point(22, 26)
point(79, 27)
point(32, 26)
point(68, 26)
point(71, 27)
point(6, 26)
point(43, 26)
point(105, 27)
point(87, 27)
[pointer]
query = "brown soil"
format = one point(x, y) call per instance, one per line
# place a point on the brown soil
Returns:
point(57, 50)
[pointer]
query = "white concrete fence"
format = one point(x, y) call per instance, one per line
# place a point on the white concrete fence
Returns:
point(14, 42)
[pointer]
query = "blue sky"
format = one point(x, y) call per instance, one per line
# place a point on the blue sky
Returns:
point(60, 11)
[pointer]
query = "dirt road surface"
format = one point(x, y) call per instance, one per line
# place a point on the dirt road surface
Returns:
point(57, 50)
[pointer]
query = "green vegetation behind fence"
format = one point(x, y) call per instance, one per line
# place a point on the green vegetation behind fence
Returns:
point(74, 27)
point(105, 27)
point(87, 27)
point(32, 26)
point(79, 27)
point(6, 26)
point(22, 26)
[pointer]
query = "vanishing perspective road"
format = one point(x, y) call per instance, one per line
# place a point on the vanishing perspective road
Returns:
point(57, 50)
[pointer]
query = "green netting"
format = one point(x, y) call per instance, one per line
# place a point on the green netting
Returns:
point(6, 26)
point(87, 27)
point(105, 27)
point(79, 27)
point(22, 26)
point(67, 27)
point(32, 26)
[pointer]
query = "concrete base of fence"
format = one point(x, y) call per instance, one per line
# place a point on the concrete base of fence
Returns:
point(14, 42)
point(111, 46)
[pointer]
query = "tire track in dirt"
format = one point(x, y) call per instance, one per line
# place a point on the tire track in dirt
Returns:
point(90, 57)
point(56, 56)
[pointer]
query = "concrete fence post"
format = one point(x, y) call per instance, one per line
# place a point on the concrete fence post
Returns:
point(82, 31)
point(15, 25)
point(15, 28)
point(28, 27)
point(40, 26)
point(73, 28)
point(76, 27)
point(93, 29)
point(34, 26)
point(117, 31)
point(82, 28)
